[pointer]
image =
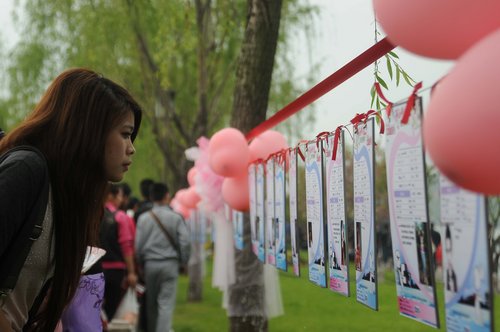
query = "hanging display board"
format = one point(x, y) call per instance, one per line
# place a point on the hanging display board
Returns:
point(270, 221)
point(466, 259)
point(338, 261)
point(410, 229)
point(238, 229)
point(280, 212)
point(253, 207)
point(292, 193)
point(314, 212)
point(364, 214)
point(259, 221)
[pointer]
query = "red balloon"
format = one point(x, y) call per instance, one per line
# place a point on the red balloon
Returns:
point(235, 193)
point(228, 152)
point(442, 29)
point(461, 125)
point(267, 143)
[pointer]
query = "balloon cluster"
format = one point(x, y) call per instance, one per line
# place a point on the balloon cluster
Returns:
point(229, 156)
point(460, 128)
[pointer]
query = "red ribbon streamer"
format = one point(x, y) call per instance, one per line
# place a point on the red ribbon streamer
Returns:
point(410, 103)
point(300, 151)
point(320, 136)
point(377, 114)
point(336, 142)
point(347, 71)
point(381, 95)
point(358, 118)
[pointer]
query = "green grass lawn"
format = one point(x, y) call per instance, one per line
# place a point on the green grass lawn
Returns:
point(307, 308)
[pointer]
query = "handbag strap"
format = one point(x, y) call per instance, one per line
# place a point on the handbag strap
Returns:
point(164, 230)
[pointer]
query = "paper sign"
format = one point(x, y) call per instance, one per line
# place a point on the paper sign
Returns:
point(314, 207)
point(279, 213)
point(466, 259)
point(270, 220)
point(410, 231)
point(364, 215)
point(338, 258)
point(292, 193)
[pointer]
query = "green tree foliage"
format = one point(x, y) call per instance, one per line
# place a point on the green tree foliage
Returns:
point(177, 57)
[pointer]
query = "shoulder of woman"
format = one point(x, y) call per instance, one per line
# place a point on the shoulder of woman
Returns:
point(25, 160)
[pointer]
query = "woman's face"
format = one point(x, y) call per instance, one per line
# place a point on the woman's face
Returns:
point(119, 149)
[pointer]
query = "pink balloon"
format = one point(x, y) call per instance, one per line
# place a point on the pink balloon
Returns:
point(461, 125)
point(192, 176)
point(265, 144)
point(235, 193)
point(183, 210)
point(442, 29)
point(228, 152)
point(192, 198)
point(181, 196)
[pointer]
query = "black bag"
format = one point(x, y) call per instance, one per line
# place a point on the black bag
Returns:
point(13, 258)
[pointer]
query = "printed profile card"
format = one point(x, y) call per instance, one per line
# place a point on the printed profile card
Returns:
point(280, 213)
point(314, 213)
point(338, 258)
point(292, 196)
point(259, 220)
point(238, 229)
point(270, 219)
point(364, 214)
point(467, 280)
point(410, 229)
point(253, 208)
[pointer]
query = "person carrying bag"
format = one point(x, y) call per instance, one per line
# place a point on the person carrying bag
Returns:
point(162, 245)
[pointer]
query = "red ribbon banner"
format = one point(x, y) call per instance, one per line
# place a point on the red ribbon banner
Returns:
point(347, 71)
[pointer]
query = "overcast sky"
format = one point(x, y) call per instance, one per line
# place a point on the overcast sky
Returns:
point(343, 30)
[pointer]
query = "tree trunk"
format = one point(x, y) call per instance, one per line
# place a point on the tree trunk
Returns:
point(253, 80)
point(195, 273)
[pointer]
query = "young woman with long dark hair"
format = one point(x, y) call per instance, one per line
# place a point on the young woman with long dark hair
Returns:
point(82, 132)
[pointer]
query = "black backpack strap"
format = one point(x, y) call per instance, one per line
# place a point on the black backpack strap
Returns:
point(35, 219)
point(33, 316)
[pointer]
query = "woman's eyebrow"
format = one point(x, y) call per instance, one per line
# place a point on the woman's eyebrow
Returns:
point(128, 127)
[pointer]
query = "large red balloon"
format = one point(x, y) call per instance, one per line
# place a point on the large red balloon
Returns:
point(235, 193)
point(461, 125)
point(442, 29)
point(228, 152)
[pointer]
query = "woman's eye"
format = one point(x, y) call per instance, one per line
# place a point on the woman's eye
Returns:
point(126, 135)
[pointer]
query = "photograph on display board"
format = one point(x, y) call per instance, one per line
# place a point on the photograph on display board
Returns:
point(292, 195)
point(336, 213)
point(253, 208)
point(314, 213)
point(364, 214)
point(280, 213)
point(259, 222)
point(357, 245)
point(270, 217)
point(410, 229)
point(238, 229)
point(466, 259)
